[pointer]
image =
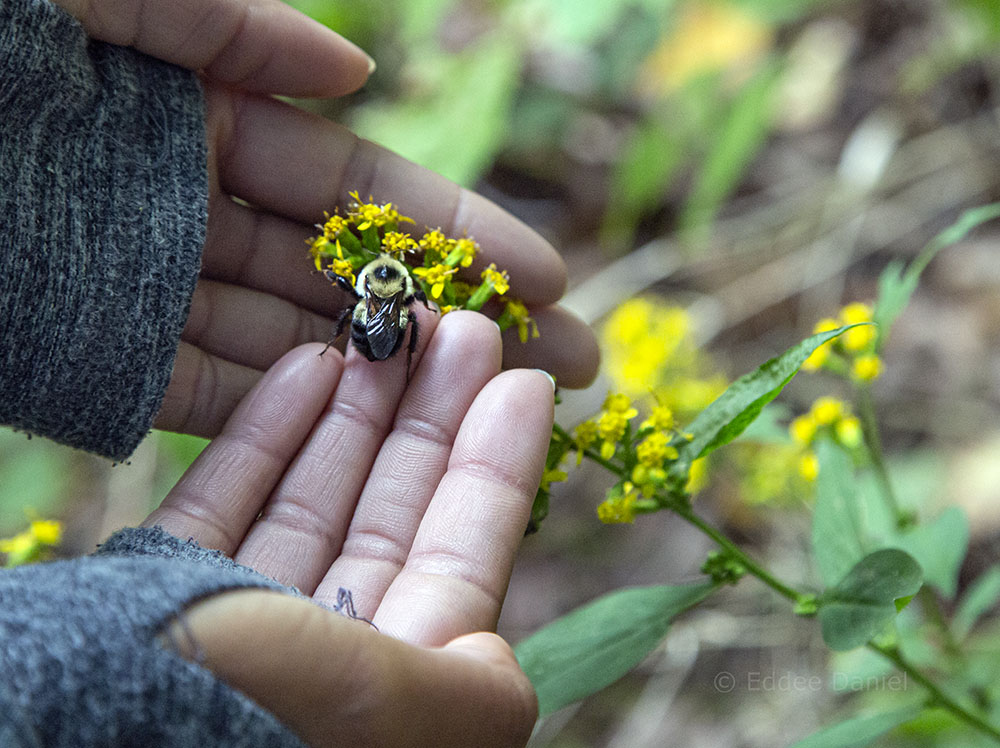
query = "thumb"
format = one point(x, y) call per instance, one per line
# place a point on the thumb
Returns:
point(336, 681)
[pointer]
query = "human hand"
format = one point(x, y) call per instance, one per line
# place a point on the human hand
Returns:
point(256, 297)
point(335, 473)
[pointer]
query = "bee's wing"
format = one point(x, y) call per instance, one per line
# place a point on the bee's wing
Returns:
point(382, 326)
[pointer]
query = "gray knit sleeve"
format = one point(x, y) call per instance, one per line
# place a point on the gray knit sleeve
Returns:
point(81, 664)
point(104, 192)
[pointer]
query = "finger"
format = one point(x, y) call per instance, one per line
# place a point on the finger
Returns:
point(258, 250)
point(221, 494)
point(248, 327)
point(302, 527)
point(202, 392)
point(566, 348)
point(461, 358)
point(259, 45)
point(336, 682)
point(297, 164)
point(456, 575)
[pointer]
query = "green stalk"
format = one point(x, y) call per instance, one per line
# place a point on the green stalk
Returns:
point(869, 427)
point(734, 551)
point(937, 696)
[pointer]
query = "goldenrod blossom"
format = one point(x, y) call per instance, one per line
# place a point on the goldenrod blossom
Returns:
point(809, 466)
point(583, 436)
point(498, 279)
point(857, 338)
point(826, 410)
point(519, 316)
point(433, 240)
point(463, 252)
point(620, 506)
point(802, 429)
point(435, 277)
point(848, 431)
point(655, 449)
point(867, 367)
point(343, 268)
point(398, 243)
point(333, 225)
point(661, 418)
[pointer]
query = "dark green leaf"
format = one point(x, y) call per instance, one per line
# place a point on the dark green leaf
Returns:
point(736, 408)
point(858, 732)
point(864, 601)
point(838, 538)
point(595, 645)
point(896, 286)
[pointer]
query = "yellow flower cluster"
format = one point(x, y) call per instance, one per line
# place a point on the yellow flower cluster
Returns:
point(348, 242)
point(854, 351)
point(645, 453)
point(31, 544)
point(830, 417)
point(649, 347)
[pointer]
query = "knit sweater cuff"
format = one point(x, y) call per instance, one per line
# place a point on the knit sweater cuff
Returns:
point(104, 191)
point(82, 663)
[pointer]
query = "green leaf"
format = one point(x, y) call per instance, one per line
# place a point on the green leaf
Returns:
point(982, 595)
point(896, 286)
point(740, 136)
point(736, 408)
point(595, 645)
point(838, 538)
point(939, 547)
point(457, 121)
point(859, 731)
point(864, 601)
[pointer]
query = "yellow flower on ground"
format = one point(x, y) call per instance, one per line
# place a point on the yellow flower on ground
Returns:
point(435, 277)
point(498, 279)
point(866, 368)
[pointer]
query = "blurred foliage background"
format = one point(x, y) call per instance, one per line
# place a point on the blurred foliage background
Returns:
point(754, 162)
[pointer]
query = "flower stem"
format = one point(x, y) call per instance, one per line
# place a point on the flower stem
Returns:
point(937, 696)
point(735, 552)
point(869, 427)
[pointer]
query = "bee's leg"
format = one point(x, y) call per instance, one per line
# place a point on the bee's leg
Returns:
point(419, 295)
point(411, 346)
point(341, 323)
point(342, 282)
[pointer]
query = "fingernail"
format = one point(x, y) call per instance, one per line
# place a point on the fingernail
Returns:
point(371, 63)
point(551, 378)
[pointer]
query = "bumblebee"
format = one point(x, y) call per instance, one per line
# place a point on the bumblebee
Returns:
point(384, 292)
